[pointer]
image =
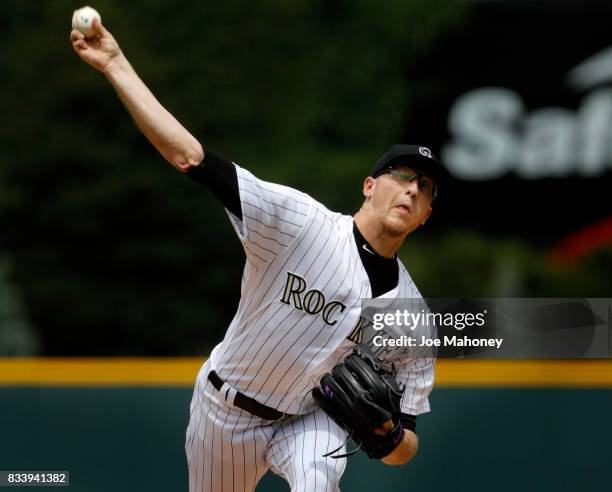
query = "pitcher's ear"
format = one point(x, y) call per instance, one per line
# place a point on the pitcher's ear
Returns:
point(368, 186)
point(429, 210)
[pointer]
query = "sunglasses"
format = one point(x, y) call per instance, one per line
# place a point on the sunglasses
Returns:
point(426, 185)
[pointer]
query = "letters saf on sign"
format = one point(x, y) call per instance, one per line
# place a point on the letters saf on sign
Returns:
point(521, 114)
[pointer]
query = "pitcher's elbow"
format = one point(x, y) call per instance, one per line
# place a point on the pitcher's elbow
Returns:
point(184, 161)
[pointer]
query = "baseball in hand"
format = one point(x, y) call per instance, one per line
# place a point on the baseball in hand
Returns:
point(82, 20)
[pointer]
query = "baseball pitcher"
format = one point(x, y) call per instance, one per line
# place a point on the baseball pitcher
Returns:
point(292, 379)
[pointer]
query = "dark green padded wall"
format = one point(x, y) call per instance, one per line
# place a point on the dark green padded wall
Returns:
point(131, 439)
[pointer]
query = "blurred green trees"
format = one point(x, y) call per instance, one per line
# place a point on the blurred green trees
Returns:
point(16, 334)
point(466, 263)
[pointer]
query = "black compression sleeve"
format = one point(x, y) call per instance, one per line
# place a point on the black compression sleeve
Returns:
point(219, 176)
point(408, 421)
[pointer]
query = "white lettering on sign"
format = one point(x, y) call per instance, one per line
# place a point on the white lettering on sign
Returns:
point(492, 133)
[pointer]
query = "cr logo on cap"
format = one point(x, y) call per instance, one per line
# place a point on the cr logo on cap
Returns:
point(425, 151)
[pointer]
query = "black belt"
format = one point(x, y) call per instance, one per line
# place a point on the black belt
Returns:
point(246, 403)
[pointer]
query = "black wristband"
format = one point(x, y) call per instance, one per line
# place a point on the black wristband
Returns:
point(408, 421)
point(397, 433)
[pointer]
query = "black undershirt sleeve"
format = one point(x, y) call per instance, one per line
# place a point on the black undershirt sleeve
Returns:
point(408, 421)
point(219, 176)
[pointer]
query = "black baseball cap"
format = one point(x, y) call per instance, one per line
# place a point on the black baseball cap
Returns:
point(414, 156)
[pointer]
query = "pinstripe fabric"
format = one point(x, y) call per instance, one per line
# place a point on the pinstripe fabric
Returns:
point(297, 448)
point(229, 450)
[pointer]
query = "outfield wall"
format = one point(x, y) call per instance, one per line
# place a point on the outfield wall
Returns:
point(119, 424)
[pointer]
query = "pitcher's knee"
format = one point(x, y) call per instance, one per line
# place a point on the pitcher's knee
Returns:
point(320, 476)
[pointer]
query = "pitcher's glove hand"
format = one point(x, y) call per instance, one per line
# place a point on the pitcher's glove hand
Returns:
point(359, 394)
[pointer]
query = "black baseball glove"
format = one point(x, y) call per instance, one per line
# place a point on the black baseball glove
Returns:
point(359, 394)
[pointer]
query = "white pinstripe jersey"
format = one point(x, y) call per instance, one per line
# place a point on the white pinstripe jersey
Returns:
point(300, 298)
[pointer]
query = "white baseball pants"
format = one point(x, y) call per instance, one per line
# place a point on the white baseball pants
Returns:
point(229, 450)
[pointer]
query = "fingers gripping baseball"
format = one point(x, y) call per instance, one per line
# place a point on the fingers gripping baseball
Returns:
point(99, 50)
